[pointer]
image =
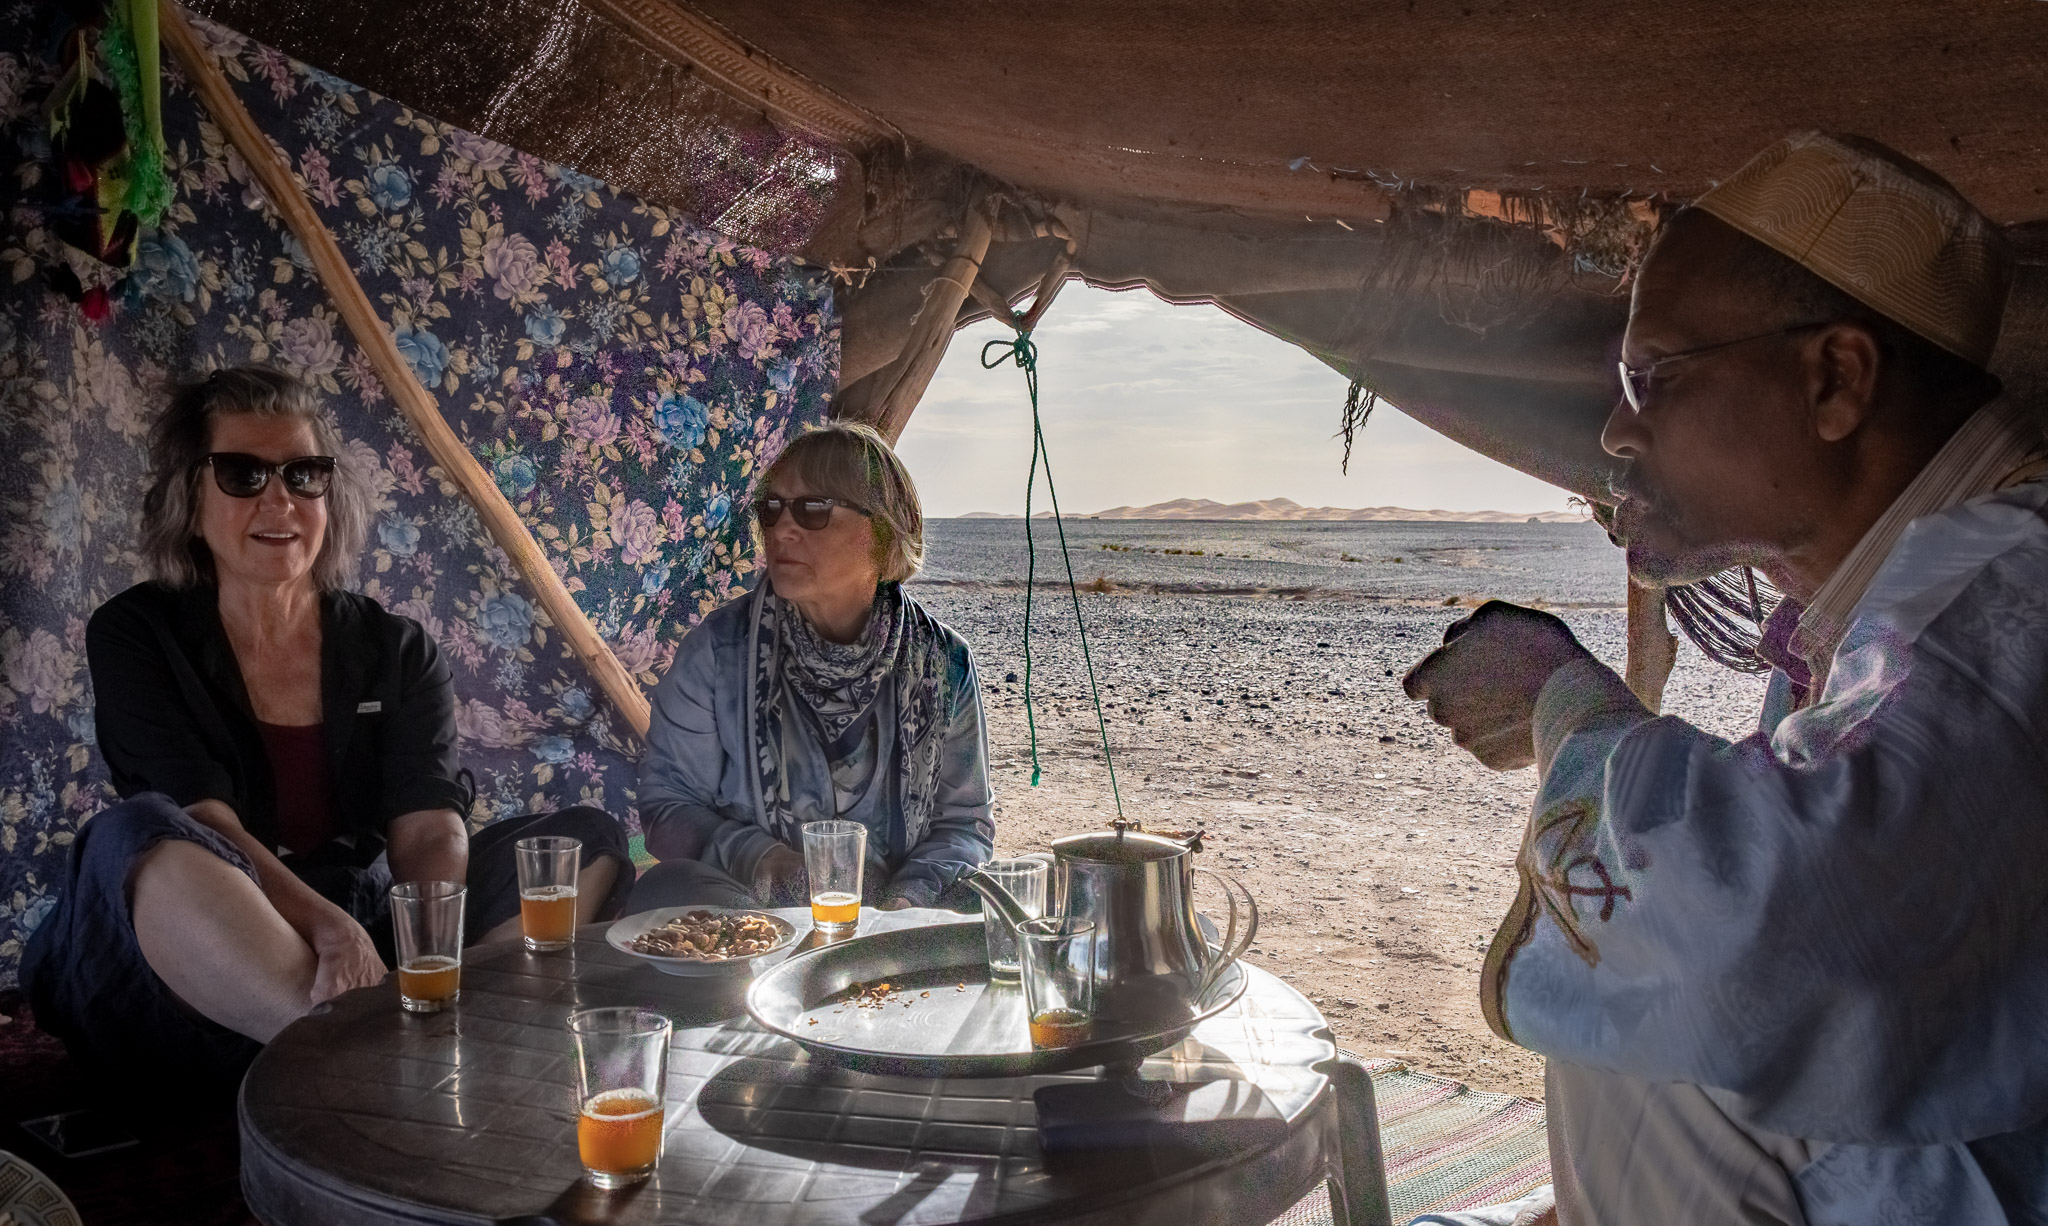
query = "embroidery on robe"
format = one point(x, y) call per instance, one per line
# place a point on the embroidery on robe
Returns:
point(1553, 855)
point(1555, 869)
point(1513, 933)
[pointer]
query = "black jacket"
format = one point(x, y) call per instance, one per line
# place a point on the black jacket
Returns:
point(173, 716)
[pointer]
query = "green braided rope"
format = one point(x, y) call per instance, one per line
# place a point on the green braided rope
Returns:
point(1025, 355)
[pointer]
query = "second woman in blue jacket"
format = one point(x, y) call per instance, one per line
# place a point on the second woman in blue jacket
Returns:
point(826, 692)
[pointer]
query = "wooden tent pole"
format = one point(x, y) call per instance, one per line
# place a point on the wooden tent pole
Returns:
point(1048, 287)
point(1652, 648)
point(912, 370)
point(696, 42)
point(413, 400)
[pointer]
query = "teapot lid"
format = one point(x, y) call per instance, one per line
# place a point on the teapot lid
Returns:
point(1122, 846)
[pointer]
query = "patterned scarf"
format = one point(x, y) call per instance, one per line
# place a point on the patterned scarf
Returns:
point(838, 683)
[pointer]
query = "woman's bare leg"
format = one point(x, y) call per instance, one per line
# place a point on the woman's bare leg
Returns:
point(213, 938)
point(593, 887)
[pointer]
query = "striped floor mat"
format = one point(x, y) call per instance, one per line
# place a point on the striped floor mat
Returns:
point(1447, 1146)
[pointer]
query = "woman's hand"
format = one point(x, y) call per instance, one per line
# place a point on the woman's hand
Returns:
point(780, 876)
point(346, 958)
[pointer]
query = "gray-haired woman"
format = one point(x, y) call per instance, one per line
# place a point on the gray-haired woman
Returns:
point(826, 692)
point(285, 750)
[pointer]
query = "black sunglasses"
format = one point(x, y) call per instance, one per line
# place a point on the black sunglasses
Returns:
point(811, 513)
point(244, 476)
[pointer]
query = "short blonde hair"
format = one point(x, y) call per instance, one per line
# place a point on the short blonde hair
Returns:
point(852, 462)
point(178, 444)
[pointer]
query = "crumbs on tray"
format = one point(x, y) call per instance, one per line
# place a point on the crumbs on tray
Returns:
point(871, 997)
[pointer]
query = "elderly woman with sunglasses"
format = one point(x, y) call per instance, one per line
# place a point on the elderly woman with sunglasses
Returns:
point(285, 749)
point(827, 692)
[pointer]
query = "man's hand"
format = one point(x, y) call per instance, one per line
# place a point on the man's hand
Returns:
point(779, 878)
point(894, 902)
point(346, 958)
point(1483, 682)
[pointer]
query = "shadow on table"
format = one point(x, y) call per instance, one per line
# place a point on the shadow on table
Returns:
point(823, 1114)
point(581, 1204)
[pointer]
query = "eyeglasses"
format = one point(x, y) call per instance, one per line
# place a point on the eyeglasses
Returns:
point(1635, 380)
point(811, 513)
point(245, 476)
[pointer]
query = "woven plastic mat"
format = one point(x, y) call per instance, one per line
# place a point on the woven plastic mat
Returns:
point(1447, 1146)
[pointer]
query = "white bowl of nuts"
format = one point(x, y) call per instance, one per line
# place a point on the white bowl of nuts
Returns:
point(701, 940)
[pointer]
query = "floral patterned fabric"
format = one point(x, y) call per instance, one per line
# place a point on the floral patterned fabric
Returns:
point(623, 374)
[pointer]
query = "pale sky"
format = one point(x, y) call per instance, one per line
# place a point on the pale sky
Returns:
point(1144, 402)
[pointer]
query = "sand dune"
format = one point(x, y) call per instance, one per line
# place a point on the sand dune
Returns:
point(1288, 509)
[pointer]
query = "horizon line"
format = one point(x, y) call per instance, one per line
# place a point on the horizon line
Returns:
point(1178, 508)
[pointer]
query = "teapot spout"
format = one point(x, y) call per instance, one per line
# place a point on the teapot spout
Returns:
point(997, 898)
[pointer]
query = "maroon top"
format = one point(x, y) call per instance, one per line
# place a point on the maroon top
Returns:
point(298, 765)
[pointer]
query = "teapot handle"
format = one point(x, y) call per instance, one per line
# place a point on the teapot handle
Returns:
point(1235, 942)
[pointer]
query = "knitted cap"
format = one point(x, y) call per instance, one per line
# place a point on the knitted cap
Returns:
point(1901, 241)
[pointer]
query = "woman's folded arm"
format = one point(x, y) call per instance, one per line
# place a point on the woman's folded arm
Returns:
point(962, 833)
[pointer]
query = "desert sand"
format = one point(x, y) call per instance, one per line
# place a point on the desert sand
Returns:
point(1381, 855)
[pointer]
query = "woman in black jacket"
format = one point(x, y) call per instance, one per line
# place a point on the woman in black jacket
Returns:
point(285, 750)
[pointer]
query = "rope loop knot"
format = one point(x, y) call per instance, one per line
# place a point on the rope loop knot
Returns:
point(1019, 350)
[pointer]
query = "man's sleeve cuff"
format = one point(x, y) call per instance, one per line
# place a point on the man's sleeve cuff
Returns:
point(1575, 695)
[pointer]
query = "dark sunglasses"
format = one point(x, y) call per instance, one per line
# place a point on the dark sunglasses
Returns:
point(1636, 381)
point(811, 513)
point(245, 476)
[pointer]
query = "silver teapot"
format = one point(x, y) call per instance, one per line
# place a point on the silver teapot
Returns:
point(1152, 961)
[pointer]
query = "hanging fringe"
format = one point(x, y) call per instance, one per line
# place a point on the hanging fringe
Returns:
point(1359, 403)
point(1723, 615)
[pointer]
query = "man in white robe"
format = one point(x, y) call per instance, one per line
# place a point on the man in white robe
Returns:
point(1801, 977)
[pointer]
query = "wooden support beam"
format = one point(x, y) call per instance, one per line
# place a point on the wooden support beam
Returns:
point(904, 380)
point(746, 72)
point(1652, 648)
point(419, 407)
point(1048, 288)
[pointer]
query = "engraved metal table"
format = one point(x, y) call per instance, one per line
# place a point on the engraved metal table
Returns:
point(361, 1114)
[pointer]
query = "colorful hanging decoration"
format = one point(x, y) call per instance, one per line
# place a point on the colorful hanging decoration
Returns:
point(105, 118)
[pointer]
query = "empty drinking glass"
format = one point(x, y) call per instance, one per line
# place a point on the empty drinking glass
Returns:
point(1024, 880)
point(426, 924)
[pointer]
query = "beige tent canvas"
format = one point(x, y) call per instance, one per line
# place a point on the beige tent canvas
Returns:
point(1442, 200)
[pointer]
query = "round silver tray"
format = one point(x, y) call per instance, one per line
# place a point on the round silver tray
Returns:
point(943, 1017)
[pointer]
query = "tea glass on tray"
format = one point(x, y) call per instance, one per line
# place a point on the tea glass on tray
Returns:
point(1059, 979)
point(1024, 879)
